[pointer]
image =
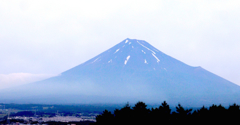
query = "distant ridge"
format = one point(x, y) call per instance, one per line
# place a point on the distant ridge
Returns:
point(131, 71)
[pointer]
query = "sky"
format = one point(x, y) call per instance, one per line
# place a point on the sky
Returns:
point(41, 39)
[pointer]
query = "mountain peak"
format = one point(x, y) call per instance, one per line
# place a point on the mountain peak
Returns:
point(136, 55)
point(132, 54)
point(134, 70)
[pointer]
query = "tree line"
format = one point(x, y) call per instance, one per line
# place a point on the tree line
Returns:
point(140, 114)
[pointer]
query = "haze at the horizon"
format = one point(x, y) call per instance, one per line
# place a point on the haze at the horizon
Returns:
point(40, 39)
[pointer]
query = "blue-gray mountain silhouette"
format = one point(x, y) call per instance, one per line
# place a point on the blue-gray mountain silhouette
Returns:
point(130, 71)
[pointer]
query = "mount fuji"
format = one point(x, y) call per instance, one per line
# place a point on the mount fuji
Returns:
point(130, 71)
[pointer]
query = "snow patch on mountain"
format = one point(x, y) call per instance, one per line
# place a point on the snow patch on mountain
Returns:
point(156, 57)
point(116, 51)
point(128, 57)
point(146, 48)
point(110, 61)
point(145, 61)
point(96, 60)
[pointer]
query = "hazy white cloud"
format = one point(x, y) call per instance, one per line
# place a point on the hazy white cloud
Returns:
point(49, 37)
point(16, 79)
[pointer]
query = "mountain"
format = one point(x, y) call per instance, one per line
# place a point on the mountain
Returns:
point(130, 71)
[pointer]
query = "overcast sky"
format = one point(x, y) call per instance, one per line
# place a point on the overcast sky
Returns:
point(40, 39)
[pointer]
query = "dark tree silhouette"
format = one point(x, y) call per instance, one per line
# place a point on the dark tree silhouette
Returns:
point(183, 115)
point(124, 115)
point(107, 118)
point(161, 115)
point(233, 113)
point(201, 116)
point(181, 111)
point(217, 114)
point(139, 114)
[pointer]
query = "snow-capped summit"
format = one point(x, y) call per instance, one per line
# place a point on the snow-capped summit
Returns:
point(127, 48)
point(133, 54)
point(122, 52)
point(130, 71)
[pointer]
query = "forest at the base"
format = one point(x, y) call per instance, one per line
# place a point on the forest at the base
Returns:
point(140, 114)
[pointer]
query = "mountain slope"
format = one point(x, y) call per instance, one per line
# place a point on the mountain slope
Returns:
point(132, 70)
